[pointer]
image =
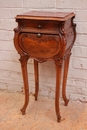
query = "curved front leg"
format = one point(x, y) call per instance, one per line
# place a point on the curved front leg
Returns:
point(65, 73)
point(23, 60)
point(36, 79)
point(57, 93)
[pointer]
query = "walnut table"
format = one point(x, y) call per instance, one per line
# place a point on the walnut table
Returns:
point(45, 36)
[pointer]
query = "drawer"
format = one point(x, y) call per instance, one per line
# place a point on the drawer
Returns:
point(40, 45)
point(41, 26)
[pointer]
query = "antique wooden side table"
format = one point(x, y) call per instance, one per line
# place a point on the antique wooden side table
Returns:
point(45, 36)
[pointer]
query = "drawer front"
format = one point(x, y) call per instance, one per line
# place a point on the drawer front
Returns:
point(39, 46)
point(41, 26)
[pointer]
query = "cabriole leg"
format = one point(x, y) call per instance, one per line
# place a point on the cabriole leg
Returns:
point(23, 60)
point(57, 93)
point(36, 79)
point(65, 73)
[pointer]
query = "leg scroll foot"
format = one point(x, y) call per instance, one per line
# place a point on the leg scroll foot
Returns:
point(66, 102)
point(35, 97)
point(23, 111)
point(58, 118)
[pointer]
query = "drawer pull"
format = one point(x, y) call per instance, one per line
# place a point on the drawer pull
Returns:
point(39, 26)
point(39, 35)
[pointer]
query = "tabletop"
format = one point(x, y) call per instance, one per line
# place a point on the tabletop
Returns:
point(59, 16)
